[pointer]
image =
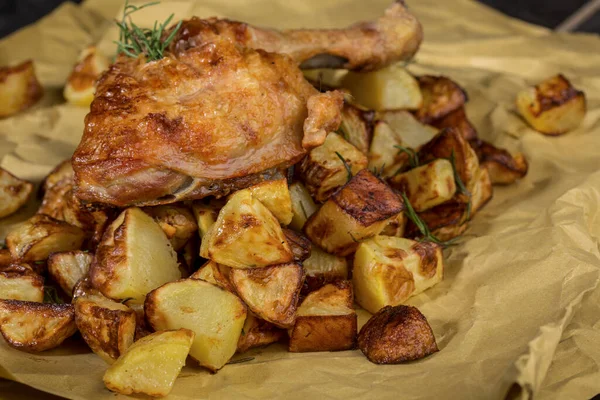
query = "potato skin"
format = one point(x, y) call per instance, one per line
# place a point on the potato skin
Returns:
point(19, 88)
point(14, 193)
point(503, 167)
point(441, 96)
point(458, 119)
point(395, 335)
point(299, 244)
point(16, 316)
point(107, 332)
point(19, 282)
point(257, 333)
point(324, 333)
point(67, 268)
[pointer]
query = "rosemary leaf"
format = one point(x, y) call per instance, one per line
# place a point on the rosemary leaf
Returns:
point(241, 360)
point(421, 225)
point(51, 295)
point(413, 157)
point(459, 184)
point(348, 169)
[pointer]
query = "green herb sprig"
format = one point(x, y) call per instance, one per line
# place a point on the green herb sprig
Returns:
point(413, 157)
point(459, 184)
point(134, 40)
point(422, 226)
point(348, 169)
point(51, 295)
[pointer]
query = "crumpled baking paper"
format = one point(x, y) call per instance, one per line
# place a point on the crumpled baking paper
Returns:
point(517, 314)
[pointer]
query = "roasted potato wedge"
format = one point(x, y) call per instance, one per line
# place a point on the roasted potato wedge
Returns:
point(445, 221)
point(275, 195)
point(303, 205)
point(428, 185)
point(257, 333)
point(108, 327)
point(246, 235)
point(553, 107)
point(55, 197)
point(357, 126)
point(14, 192)
point(482, 192)
point(395, 335)
point(458, 119)
point(215, 315)
point(35, 327)
point(176, 220)
point(19, 88)
point(215, 273)
point(384, 156)
point(42, 235)
point(326, 320)
point(133, 258)
point(300, 245)
point(19, 282)
point(322, 170)
point(151, 365)
point(388, 88)
point(5, 258)
point(503, 168)
point(271, 293)
point(322, 268)
point(67, 268)
point(81, 84)
point(396, 226)
point(447, 143)
point(411, 131)
point(206, 213)
point(62, 171)
point(361, 209)
point(388, 270)
point(441, 96)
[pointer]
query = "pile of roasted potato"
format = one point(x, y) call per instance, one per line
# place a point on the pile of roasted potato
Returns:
point(362, 219)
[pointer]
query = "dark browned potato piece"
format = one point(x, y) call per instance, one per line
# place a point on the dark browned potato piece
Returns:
point(504, 168)
point(357, 126)
point(176, 220)
point(441, 96)
point(35, 327)
point(395, 335)
point(360, 209)
point(457, 119)
point(258, 332)
point(64, 170)
point(5, 258)
point(299, 244)
point(445, 219)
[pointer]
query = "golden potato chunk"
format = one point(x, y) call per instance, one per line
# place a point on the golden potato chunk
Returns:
point(133, 258)
point(553, 107)
point(67, 268)
point(19, 282)
point(388, 88)
point(322, 268)
point(323, 171)
point(19, 88)
point(246, 235)
point(215, 315)
point(107, 326)
point(271, 293)
point(35, 327)
point(303, 205)
point(62, 171)
point(206, 212)
point(395, 335)
point(151, 365)
point(388, 270)
point(257, 333)
point(176, 220)
point(441, 96)
point(384, 156)
point(326, 320)
point(357, 126)
point(411, 131)
point(503, 168)
point(14, 193)
point(275, 195)
point(361, 209)
point(396, 226)
point(299, 244)
point(215, 273)
point(42, 235)
point(482, 192)
point(427, 185)
point(81, 84)
point(448, 143)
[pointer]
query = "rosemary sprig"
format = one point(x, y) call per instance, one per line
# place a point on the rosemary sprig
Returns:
point(51, 295)
point(134, 40)
point(348, 169)
point(378, 172)
point(421, 225)
point(125, 300)
point(241, 360)
point(413, 157)
point(459, 184)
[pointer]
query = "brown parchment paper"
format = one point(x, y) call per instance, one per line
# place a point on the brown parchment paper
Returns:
point(520, 302)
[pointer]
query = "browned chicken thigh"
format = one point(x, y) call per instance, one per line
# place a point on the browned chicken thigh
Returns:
point(218, 113)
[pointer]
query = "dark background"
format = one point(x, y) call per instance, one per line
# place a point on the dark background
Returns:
point(17, 13)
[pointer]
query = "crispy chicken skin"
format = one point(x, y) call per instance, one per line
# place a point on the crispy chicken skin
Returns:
point(201, 121)
point(364, 46)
